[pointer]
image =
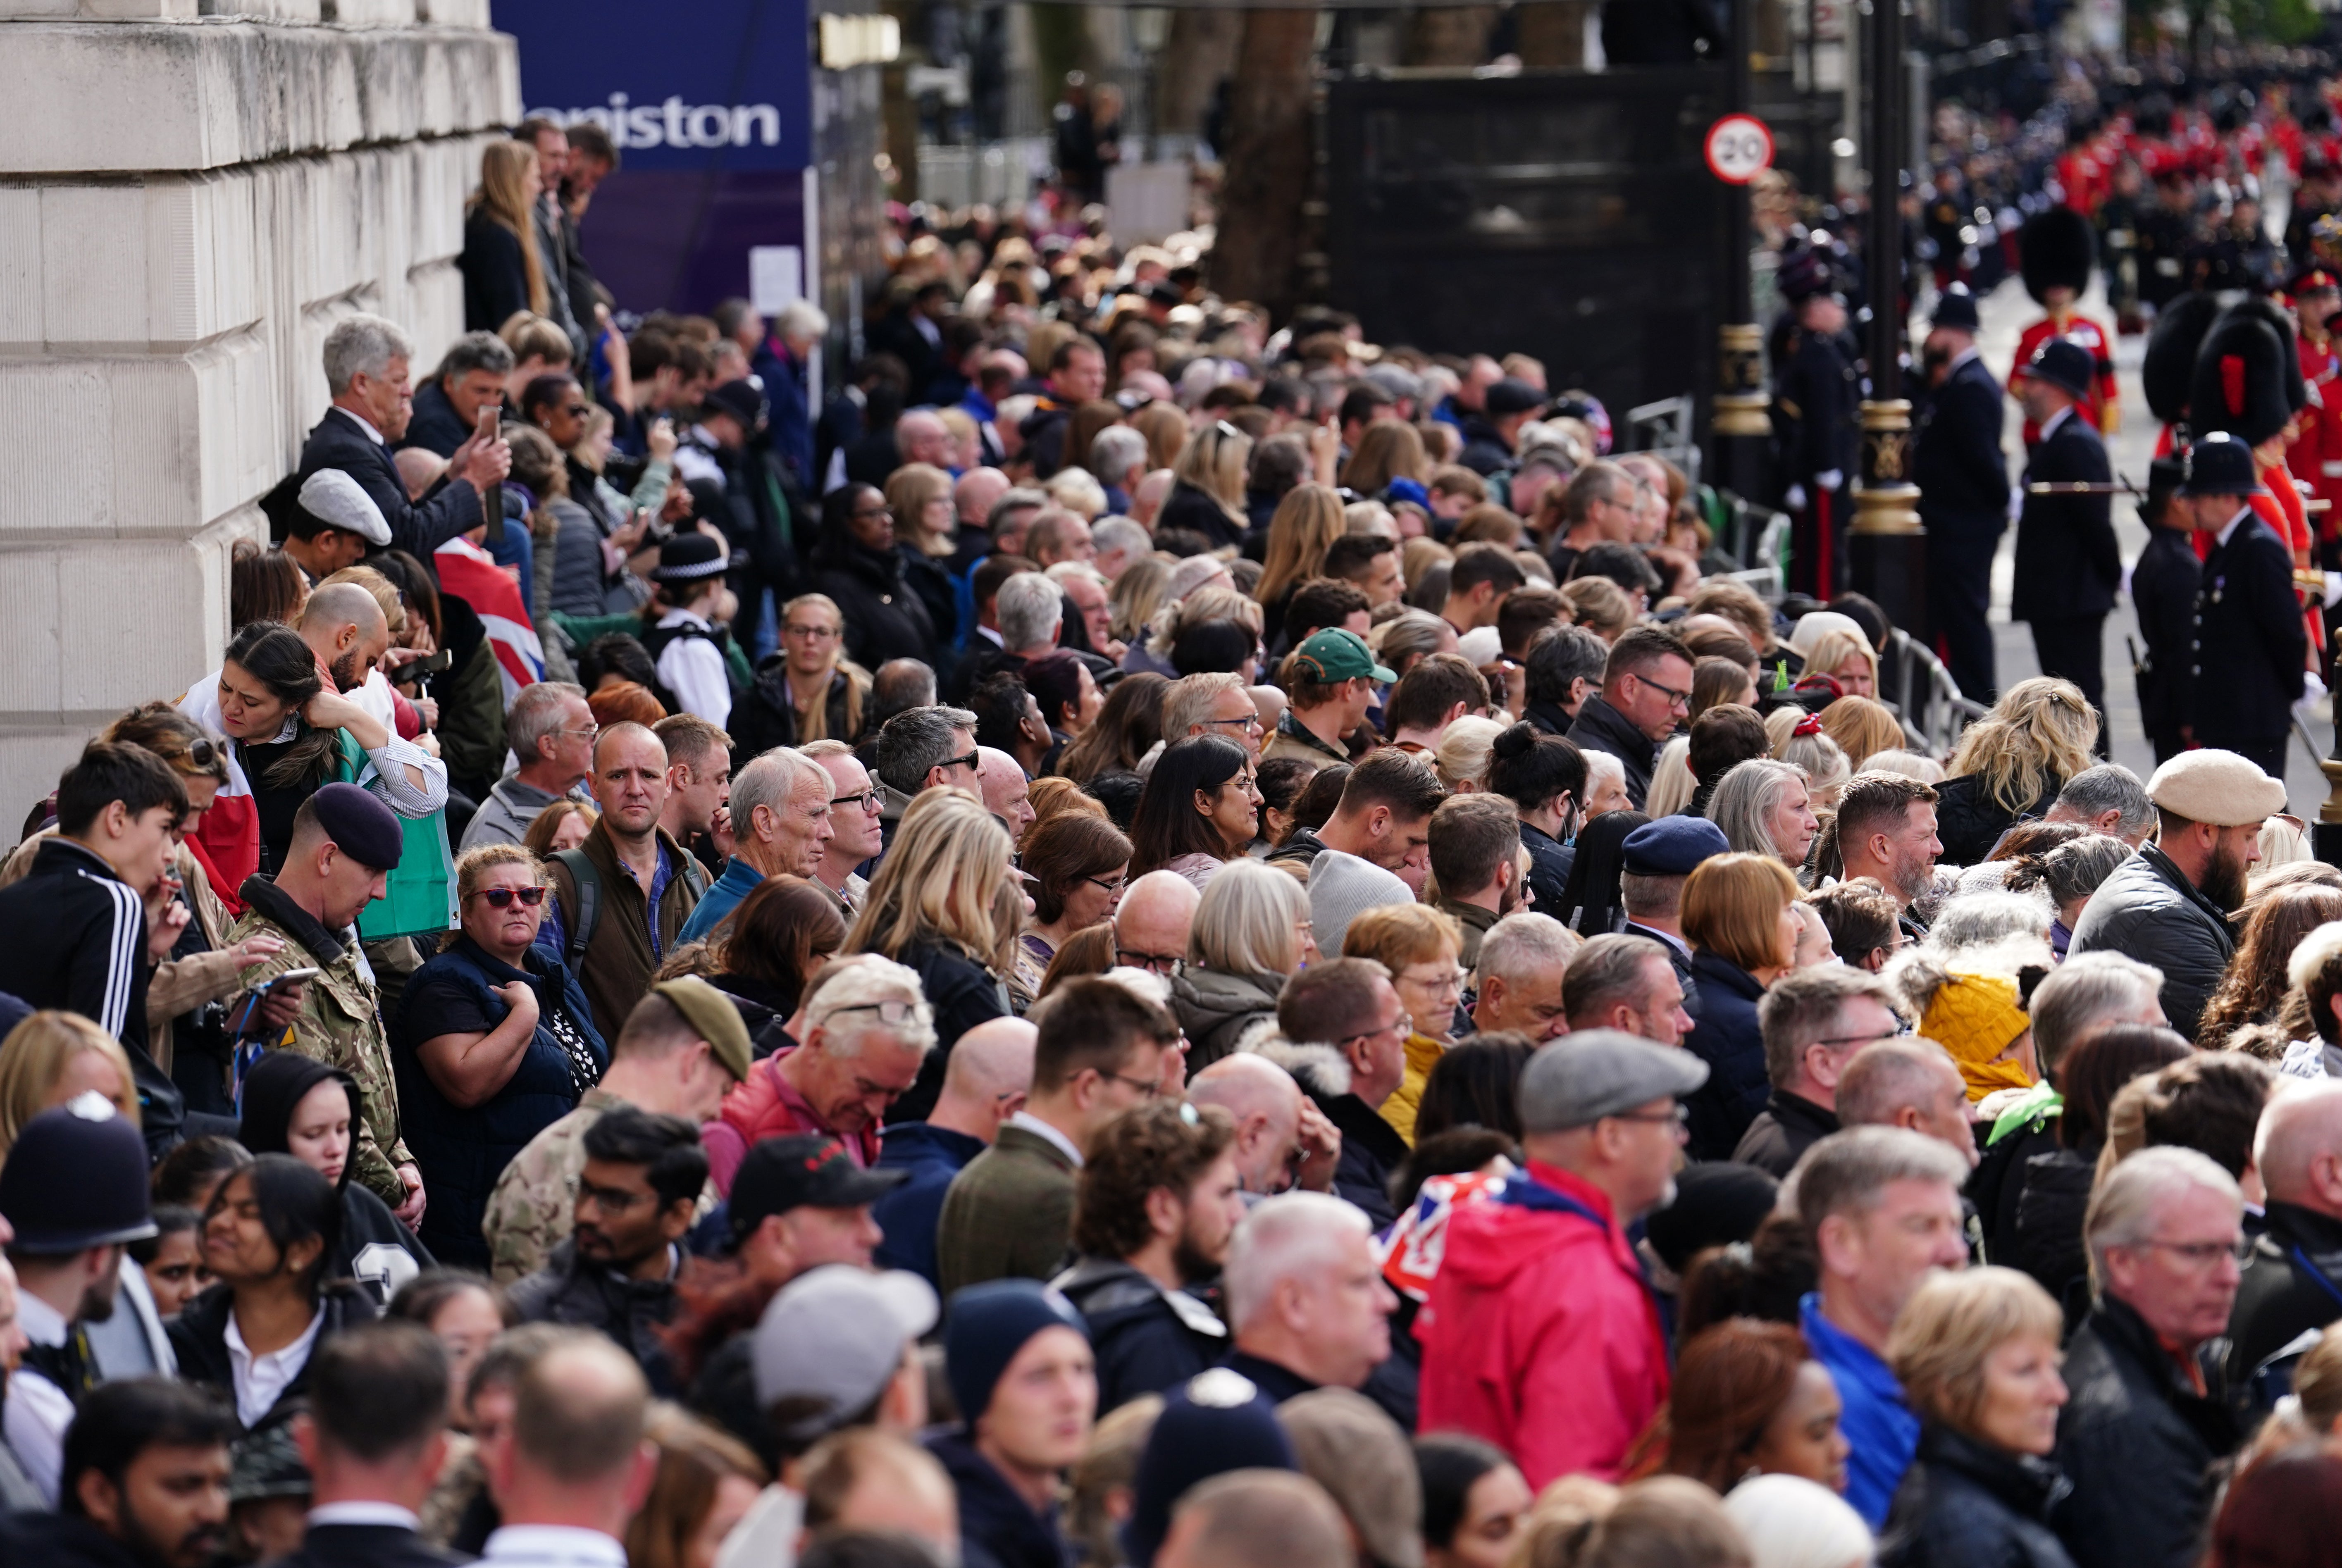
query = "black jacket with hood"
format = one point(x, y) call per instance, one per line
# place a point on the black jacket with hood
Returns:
point(376, 1249)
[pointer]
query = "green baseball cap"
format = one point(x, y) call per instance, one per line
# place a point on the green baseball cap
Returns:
point(1337, 654)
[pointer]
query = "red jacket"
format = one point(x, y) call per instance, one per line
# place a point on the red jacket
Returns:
point(2101, 410)
point(1541, 1335)
point(766, 1105)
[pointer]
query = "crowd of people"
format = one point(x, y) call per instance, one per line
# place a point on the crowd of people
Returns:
point(1139, 942)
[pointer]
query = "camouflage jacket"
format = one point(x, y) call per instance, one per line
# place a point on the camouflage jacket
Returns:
point(530, 1212)
point(340, 1023)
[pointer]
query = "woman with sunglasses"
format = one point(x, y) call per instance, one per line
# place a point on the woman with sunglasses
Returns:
point(859, 568)
point(496, 1042)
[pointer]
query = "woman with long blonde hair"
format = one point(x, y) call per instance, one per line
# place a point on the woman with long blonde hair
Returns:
point(503, 274)
point(1862, 727)
point(52, 1057)
point(1207, 490)
point(946, 904)
point(1307, 523)
point(2011, 763)
point(1166, 429)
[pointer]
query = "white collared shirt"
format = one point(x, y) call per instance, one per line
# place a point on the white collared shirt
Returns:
point(364, 424)
point(37, 1411)
point(1042, 1130)
point(692, 669)
point(2049, 425)
point(384, 1514)
point(2228, 531)
point(261, 1380)
point(553, 1546)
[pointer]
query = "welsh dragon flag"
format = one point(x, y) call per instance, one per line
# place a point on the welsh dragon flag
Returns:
point(472, 574)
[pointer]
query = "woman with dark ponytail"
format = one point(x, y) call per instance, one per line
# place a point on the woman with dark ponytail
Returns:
point(1545, 776)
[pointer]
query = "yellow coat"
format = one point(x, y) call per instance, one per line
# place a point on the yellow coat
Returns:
point(1399, 1110)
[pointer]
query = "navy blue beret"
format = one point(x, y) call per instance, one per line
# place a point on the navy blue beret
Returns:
point(361, 826)
point(1673, 846)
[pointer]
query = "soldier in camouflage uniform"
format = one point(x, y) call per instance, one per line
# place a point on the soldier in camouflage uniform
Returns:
point(681, 1051)
point(343, 844)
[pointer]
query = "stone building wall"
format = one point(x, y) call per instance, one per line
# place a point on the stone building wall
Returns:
point(188, 202)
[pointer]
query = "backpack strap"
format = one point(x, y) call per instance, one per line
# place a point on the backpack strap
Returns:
point(588, 883)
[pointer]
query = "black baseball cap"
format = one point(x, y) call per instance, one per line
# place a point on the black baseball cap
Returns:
point(801, 1171)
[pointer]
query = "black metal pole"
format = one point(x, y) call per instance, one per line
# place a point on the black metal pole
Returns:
point(1883, 252)
point(1887, 548)
point(1741, 426)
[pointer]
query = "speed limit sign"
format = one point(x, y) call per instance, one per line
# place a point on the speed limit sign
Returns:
point(1739, 148)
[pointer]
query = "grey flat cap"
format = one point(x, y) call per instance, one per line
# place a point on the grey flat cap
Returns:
point(338, 501)
point(1583, 1077)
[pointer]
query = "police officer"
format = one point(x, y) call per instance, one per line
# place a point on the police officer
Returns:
point(2068, 566)
point(2250, 647)
point(1962, 483)
point(2163, 584)
point(1820, 397)
point(75, 1191)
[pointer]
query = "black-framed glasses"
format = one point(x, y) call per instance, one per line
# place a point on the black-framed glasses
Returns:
point(502, 897)
point(817, 632)
point(1676, 699)
point(1402, 1025)
point(863, 514)
point(972, 760)
point(1103, 885)
point(866, 802)
point(1153, 963)
point(1249, 722)
point(1148, 1088)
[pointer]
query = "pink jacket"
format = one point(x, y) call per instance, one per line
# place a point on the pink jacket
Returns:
point(1541, 1335)
point(766, 1105)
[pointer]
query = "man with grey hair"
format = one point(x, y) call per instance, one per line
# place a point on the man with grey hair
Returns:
point(1120, 543)
point(1118, 458)
point(1523, 961)
point(1543, 1336)
point(1213, 704)
point(368, 373)
point(1011, 518)
point(551, 732)
point(1059, 536)
point(1625, 983)
point(2147, 1412)
point(868, 1031)
point(924, 749)
point(780, 826)
point(1883, 1206)
point(1029, 610)
point(2088, 993)
point(1306, 1296)
point(1909, 1083)
point(1815, 1023)
point(2109, 799)
point(471, 376)
point(2287, 1294)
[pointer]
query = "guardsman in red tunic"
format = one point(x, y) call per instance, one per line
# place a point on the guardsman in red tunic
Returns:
point(2315, 456)
point(2056, 249)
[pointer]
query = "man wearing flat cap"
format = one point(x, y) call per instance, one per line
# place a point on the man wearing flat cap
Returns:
point(2250, 648)
point(2068, 566)
point(1963, 479)
point(345, 844)
point(2168, 905)
point(1541, 1334)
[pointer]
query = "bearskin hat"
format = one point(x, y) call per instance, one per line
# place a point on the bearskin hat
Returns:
point(2056, 249)
point(2168, 372)
point(2296, 390)
point(2240, 381)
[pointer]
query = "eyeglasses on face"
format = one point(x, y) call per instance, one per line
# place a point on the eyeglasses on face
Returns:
point(590, 731)
point(812, 634)
point(1105, 885)
point(1676, 1116)
point(502, 897)
point(2204, 1255)
point(1676, 699)
point(1249, 722)
point(969, 761)
point(1146, 1088)
point(1154, 963)
point(1401, 1023)
point(867, 514)
point(866, 802)
point(895, 1013)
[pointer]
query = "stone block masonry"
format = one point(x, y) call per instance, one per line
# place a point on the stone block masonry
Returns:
point(188, 202)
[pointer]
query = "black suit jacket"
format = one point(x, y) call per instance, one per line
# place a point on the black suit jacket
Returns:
point(2163, 584)
point(368, 1547)
point(2250, 644)
point(2066, 562)
point(417, 528)
point(434, 425)
point(1957, 460)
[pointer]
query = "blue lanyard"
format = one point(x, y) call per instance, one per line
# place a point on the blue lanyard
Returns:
point(2315, 1273)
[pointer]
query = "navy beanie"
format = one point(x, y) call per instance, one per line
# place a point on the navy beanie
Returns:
point(1218, 1421)
point(986, 1326)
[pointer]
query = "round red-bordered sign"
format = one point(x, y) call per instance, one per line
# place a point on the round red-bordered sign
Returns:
point(1739, 147)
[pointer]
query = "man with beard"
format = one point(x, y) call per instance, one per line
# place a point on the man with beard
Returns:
point(2168, 905)
point(1158, 1200)
point(343, 626)
point(67, 1250)
point(637, 1194)
point(145, 1483)
point(1476, 855)
point(1346, 1035)
point(1886, 831)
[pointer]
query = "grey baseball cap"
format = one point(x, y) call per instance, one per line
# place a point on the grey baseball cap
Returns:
point(1583, 1077)
point(837, 1332)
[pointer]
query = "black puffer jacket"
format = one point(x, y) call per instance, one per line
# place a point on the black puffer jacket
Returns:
point(1965, 1505)
point(2149, 911)
point(1969, 821)
point(1189, 506)
point(582, 1294)
point(883, 619)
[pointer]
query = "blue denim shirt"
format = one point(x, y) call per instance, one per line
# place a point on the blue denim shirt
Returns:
point(1880, 1430)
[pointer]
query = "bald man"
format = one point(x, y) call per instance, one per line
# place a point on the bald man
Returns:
point(1147, 501)
point(573, 1459)
point(1151, 924)
point(985, 1081)
point(343, 626)
point(1283, 1141)
point(974, 496)
point(1912, 1084)
point(922, 436)
point(2289, 1287)
point(1007, 792)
